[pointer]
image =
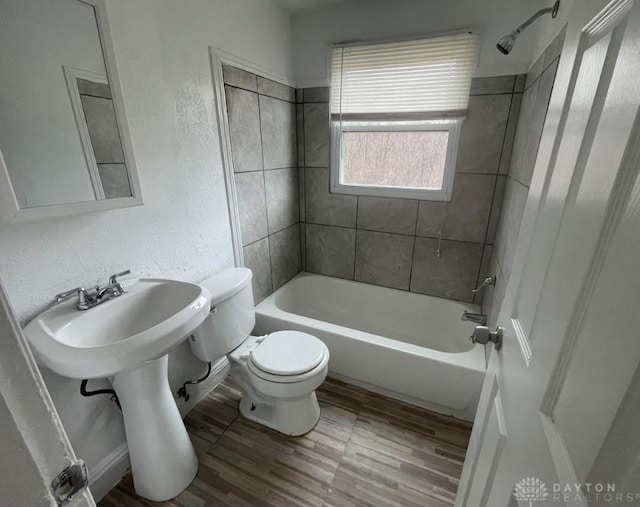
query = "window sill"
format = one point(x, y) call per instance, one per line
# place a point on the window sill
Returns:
point(392, 192)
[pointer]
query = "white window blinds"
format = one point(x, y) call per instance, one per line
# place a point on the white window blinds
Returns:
point(427, 78)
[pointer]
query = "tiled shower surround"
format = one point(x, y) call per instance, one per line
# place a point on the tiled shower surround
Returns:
point(262, 125)
point(535, 103)
point(394, 242)
point(291, 222)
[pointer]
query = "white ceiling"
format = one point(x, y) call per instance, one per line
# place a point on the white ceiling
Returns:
point(296, 6)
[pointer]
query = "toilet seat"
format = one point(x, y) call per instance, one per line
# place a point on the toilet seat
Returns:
point(288, 353)
point(288, 379)
point(285, 356)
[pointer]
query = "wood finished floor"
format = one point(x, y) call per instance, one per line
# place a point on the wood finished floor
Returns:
point(367, 450)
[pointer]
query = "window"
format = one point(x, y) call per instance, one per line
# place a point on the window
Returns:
point(396, 112)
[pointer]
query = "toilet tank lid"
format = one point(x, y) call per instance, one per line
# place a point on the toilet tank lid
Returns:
point(226, 283)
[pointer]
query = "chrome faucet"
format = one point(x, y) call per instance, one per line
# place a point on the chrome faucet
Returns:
point(112, 290)
point(478, 318)
point(99, 294)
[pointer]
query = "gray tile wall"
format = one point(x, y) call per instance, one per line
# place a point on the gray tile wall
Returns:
point(394, 242)
point(533, 111)
point(262, 126)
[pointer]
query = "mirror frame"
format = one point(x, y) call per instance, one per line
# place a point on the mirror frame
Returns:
point(10, 210)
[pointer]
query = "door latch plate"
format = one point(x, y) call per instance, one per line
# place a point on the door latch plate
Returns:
point(68, 482)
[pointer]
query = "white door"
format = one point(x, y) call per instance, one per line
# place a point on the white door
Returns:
point(34, 448)
point(570, 314)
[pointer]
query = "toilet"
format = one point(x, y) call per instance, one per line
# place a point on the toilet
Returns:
point(277, 373)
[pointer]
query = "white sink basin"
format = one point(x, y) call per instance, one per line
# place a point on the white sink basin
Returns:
point(127, 339)
point(145, 323)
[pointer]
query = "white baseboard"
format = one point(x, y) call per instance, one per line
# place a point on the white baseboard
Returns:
point(108, 473)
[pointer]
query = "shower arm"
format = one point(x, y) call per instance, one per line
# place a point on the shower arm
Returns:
point(553, 10)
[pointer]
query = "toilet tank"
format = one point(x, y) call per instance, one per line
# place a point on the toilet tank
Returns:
point(232, 315)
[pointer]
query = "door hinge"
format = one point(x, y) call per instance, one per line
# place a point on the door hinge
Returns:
point(68, 482)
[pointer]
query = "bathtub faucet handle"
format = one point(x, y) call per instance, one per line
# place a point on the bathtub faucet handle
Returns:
point(490, 280)
point(482, 335)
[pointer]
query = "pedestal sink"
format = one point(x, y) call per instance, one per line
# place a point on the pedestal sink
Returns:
point(127, 339)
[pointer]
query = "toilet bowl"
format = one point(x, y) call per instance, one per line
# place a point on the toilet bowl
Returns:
point(277, 373)
point(279, 386)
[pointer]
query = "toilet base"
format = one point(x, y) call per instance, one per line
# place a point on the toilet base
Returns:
point(293, 417)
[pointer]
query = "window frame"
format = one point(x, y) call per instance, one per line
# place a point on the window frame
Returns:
point(338, 127)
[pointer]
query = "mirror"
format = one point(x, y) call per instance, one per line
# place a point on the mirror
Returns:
point(62, 134)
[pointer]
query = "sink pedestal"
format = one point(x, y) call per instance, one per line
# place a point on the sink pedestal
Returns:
point(127, 340)
point(163, 461)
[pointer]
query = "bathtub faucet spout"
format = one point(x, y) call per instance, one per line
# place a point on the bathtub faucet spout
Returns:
point(478, 318)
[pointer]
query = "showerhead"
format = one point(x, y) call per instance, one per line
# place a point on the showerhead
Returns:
point(506, 43)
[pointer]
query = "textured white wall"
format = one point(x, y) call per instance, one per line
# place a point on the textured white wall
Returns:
point(363, 20)
point(182, 231)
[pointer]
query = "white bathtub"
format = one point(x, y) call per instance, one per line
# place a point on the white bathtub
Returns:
point(408, 346)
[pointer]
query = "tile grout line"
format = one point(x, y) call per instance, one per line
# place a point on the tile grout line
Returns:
point(355, 243)
point(515, 180)
point(492, 94)
point(545, 69)
point(304, 170)
point(266, 170)
point(439, 296)
point(302, 150)
point(273, 234)
point(264, 183)
point(302, 194)
point(413, 250)
point(467, 242)
point(258, 93)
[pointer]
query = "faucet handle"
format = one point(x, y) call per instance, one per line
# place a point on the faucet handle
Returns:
point(63, 296)
point(84, 299)
point(482, 335)
point(113, 279)
point(490, 280)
